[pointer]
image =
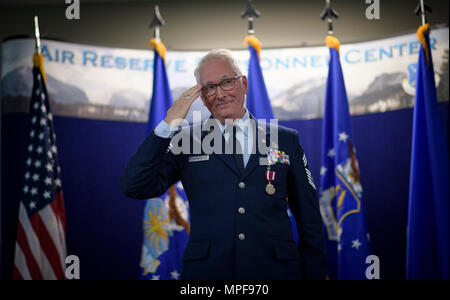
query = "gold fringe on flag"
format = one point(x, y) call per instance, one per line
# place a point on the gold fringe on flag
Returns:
point(332, 42)
point(424, 29)
point(159, 47)
point(253, 42)
point(38, 61)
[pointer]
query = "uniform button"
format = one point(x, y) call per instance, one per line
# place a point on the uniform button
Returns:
point(241, 236)
point(241, 210)
point(241, 185)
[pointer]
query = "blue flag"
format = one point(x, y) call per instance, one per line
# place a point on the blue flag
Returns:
point(341, 202)
point(162, 96)
point(258, 102)
point(165, 219)
point(427, 253)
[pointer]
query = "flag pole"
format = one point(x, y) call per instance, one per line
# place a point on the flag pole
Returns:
point(154, 266)
point(37, 35)
point(427, 245)
point(422, 10)
point(343, 262)
point(329, 14)
point(159, 47)
point(250, 13)
point(157, 22)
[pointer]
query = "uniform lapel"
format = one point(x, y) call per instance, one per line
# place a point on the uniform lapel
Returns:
point(227, 159)
point(261, 136)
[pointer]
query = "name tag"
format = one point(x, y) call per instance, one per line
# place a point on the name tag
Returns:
point(198, 158)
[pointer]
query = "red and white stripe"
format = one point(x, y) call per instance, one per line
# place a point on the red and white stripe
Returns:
point(41, 246)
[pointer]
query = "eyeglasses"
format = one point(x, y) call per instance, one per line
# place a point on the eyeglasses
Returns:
point(226, 85)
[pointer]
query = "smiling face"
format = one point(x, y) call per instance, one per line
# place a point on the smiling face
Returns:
point(223, 104)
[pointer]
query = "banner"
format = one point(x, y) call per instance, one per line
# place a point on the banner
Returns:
point(116, 84)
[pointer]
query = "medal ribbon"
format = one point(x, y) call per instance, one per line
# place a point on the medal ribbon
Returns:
point(270, 175)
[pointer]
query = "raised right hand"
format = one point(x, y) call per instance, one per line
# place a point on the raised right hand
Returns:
point(179, 109)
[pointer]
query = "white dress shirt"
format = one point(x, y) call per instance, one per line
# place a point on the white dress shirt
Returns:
point(245, 135)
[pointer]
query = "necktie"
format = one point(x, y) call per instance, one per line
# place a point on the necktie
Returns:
point(237, 149)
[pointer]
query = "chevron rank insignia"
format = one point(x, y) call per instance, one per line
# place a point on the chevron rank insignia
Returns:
point(308, 173)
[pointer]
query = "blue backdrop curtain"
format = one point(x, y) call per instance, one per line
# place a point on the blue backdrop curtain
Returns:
point(104, 227)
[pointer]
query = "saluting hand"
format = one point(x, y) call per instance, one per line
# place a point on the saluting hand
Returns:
point(179, 109)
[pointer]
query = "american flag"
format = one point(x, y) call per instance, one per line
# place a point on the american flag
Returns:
point(41, 245)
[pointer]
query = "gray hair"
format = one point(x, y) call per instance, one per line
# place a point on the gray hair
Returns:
point(217, 54)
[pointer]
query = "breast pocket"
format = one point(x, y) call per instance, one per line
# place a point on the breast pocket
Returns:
point(286, 250)
point(281, 179)
point(198, 168)
point(196, 251)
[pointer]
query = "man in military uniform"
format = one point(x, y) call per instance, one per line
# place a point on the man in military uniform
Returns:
point(238, 196)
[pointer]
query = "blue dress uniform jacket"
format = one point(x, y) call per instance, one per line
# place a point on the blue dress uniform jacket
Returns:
point(238, 231)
